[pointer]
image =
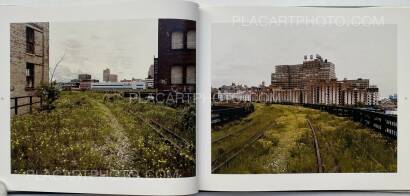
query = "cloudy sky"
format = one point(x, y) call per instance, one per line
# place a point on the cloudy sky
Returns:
point(126, 47)
point(248, 55)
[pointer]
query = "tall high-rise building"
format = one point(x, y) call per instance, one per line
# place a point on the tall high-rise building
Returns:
point(106, 75)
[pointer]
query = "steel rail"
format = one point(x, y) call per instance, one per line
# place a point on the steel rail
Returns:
point(316, 143)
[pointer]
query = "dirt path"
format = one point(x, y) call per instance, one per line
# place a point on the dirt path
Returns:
point(117, 149)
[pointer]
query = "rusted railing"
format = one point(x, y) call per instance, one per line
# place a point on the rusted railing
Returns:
point(27, 103)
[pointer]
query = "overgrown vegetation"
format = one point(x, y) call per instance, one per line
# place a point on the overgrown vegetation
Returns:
point(87, 134)
point(287, 145)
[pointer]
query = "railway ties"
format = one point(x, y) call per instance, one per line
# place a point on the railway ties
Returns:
point(228, 135)
point(169, 136)
point(226, 157)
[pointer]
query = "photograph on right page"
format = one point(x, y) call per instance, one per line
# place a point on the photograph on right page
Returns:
point(304, 98)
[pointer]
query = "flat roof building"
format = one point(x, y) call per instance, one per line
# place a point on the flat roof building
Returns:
point(84, 77)
point(300, 75)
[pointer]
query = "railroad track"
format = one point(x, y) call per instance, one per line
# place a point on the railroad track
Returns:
point(316, 144)
point(231, 154)
point(228, 135)
point(171, 137)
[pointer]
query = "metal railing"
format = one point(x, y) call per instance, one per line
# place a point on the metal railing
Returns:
point(221, 114)
point(30, 103)
point(384, 123)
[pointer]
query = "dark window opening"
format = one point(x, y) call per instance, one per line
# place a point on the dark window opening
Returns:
point(29, 76)
point(30, 40)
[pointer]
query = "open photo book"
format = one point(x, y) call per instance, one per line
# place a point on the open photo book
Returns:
point(174, 97)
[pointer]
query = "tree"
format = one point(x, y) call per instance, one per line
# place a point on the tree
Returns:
point(49, 93)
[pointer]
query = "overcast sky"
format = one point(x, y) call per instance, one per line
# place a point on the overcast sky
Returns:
point(126, 47)
point(248, 55)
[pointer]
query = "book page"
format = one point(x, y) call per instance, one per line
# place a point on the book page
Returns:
point(304, 99)
point(99, 98)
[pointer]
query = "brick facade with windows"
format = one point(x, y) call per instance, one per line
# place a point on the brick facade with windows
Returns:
point(29, 59)
point(176, 63)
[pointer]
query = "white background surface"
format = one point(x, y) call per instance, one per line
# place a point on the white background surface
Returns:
point(224, 2)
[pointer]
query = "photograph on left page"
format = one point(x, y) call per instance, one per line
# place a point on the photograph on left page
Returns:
point(103, 98)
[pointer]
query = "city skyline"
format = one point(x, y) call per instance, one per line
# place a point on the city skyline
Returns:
point(90, 47)
point(353, 50)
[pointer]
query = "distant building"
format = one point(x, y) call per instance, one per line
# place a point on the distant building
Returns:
point(29, 62)
point(388, 106)
point(68, 86)
point(83, 82)
point(84, 77)
point(117, 86)
point(86, 84)
point(176, 66)
point(149, 83)
point(113, 78)
point(313, 82)
point(299, 75)
point(344, 92)
point(106, 75)
point(132, 80)
point(151, 71)
point(393, 98)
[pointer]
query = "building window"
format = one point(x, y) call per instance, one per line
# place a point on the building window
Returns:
point(190, 75)
point(177, 75)
point(191, 39)
point(29, 76)
point(30, 40)
point(177, 38)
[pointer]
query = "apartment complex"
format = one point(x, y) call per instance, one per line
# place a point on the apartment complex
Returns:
point(29, 63)
point(175, 67)
point(300, 75)
point(312, 82)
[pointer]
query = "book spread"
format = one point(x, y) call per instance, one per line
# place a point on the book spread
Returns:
point(171, 97)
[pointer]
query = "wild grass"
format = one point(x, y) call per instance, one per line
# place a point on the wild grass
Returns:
point(85, 133)
point(287, 146)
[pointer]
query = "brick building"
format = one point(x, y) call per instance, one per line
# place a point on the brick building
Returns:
point(29, 62)
point(299, 75)
point(312, 82)
point(176, 62)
